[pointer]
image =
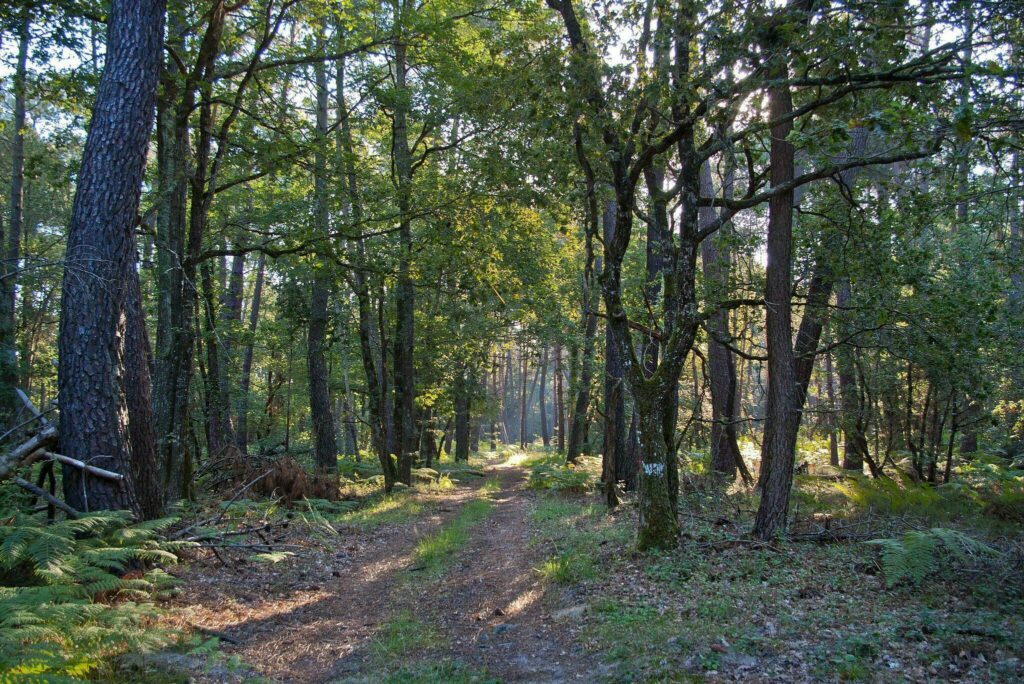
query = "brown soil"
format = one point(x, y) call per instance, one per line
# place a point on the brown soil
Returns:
point(313, 618)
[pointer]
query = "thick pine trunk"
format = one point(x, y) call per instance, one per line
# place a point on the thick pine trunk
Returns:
point(94, 340)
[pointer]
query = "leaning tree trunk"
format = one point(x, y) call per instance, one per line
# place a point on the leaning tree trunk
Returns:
point(93, 343)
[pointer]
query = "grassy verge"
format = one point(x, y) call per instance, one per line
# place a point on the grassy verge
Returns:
point(435, 552)
point(576, 531)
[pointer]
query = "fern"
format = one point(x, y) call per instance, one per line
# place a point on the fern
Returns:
point(918, 554)
point(561, 477)
point(54, 578)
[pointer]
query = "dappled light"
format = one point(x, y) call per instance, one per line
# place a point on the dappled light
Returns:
point(476, 341)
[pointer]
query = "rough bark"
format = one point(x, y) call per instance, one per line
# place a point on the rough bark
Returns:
point(93, 342)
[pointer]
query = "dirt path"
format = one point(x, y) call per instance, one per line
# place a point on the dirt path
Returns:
point(492, 604)
point(314, 618)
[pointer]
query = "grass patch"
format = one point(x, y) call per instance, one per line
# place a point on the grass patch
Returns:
point(402, 635)
point(577, 532)
point(447, 670)
point(569, 567)
point(434, 552)
point(388, 509)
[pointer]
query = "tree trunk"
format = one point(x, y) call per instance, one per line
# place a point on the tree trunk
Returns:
point(559, 399)
point(591, 297)
point(325, 448)
point(522, 398)
point(833, 445)
point(855, 441)
point(8, 284)
point(370, 346)
point(461, 416)
point(614, 452)
point(545, 436)
point(242, 422)
point(218, 424)
point(95, 340)
point(405, 293)
point(717, 263)
point(782, 417)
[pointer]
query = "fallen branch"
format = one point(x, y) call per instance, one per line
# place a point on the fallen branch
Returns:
point(92, 470)
point(27, 450)
point(43, 494)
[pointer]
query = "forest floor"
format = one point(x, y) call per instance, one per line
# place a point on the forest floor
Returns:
point(492, 581)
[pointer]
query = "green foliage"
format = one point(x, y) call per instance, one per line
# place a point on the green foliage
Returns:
point(402, 634)
point(569, 567)
point(435, 551)
point(564, 477)
point(54, 623)
point(918, 554)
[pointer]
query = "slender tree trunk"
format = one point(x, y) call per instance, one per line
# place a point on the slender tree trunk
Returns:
point(522, 398)
point(833, 443)
point(614, 451)
point(717, 263)
point(95, 339)
point(405, 385)
point(559, 399)
point(461, 416)
point(8, 284)
point(591, 297)
point(779, 446)
point(544, 434)
point(242, 422)
point(325, 448)
point(218, 425)
point(855, 442)
point(370, 346)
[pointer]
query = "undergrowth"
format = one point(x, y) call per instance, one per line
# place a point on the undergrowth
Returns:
point(77, 593)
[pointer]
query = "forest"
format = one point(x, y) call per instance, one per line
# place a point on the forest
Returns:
point(511, 341)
